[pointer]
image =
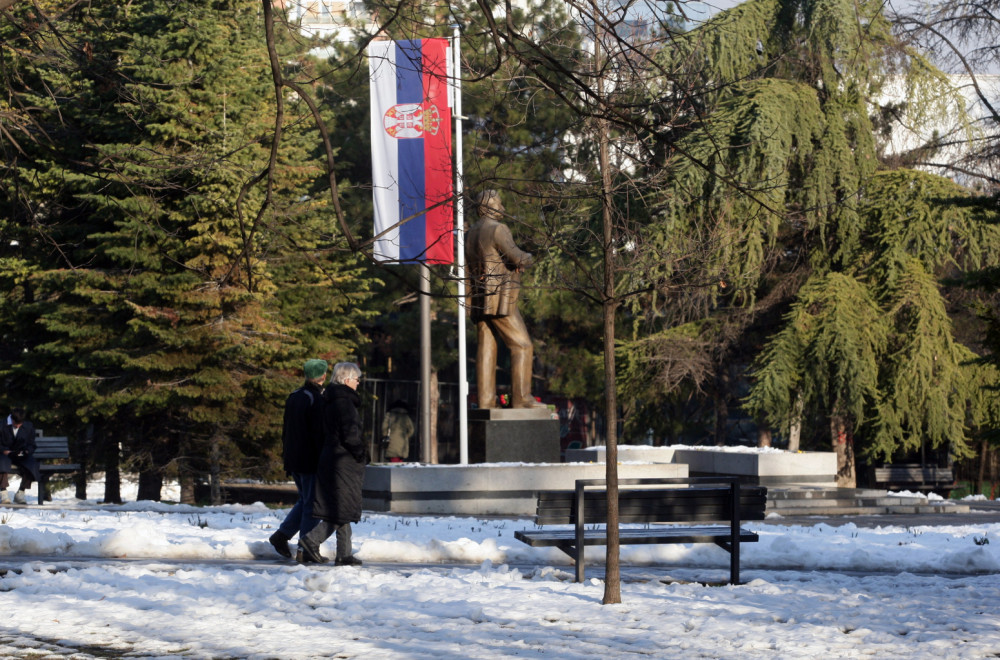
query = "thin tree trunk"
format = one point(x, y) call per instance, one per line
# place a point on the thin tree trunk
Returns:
point(112, 468)
point(215, 469)
point(152, 463)
point(763, 436)
point(721, 412)
point(843, 446)
point(984, 456)
point(150, 484)
point(612, 577)
point(185, 475)
point(84, 456)
point(795, 428)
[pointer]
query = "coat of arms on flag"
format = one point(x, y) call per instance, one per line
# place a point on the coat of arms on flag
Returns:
point(410, 120)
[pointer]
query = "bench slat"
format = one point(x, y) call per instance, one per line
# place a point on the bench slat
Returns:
point(53, 468)
point(50, 455)
point(51, 448)
point(664, 513)
point(913, 474)
point(666, 505)
point(558, 496)
point(639, 503)
point(549, 538)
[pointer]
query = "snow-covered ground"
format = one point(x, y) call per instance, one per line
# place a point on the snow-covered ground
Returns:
point(192, 582)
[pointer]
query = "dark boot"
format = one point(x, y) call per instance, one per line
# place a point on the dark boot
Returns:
point(280, 543)
point(350, 560)
point(309, 555)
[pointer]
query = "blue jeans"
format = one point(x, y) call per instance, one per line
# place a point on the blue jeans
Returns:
point(300, 519)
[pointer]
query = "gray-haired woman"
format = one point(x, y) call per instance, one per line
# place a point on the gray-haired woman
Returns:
point(341, 471)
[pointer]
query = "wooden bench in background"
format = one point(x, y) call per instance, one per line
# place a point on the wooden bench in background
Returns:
point(691, 501)
point(51, 452)
point(913, 476)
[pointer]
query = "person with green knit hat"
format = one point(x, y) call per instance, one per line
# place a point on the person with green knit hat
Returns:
point(315, 368)
point(302, 441)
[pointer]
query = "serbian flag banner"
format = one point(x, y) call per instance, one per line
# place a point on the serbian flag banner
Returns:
point(411, 150)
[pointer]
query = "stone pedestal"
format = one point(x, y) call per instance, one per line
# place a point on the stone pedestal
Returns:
point(764, 467)
point(513, 435)
point(507, 489)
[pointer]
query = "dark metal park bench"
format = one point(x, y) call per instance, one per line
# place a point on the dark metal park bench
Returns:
point(51, 454)
point(691, 501)
point(913, 476)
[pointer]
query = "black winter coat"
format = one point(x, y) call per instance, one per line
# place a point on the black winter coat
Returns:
point(302, 430)
point(21, 448)
point(341, 473)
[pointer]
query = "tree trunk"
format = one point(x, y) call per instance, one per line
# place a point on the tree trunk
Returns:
point(150, 484)
point(721, 418)
point(186, 481)
point(843, 446)
point(721, 404)
point(85, 457)
point(612, 575)
point(984, 456)
point(111, 456)
point(186, 477)
point(215, 470)
point(763, 436)
point(795, 428)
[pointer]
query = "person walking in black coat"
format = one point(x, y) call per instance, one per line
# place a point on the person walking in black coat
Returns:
point(302, 440)
point(341, 472)
point(17, 451)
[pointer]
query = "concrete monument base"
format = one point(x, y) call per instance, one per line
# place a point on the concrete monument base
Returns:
point(486, 489)
point(503, 435)
point(761, 467)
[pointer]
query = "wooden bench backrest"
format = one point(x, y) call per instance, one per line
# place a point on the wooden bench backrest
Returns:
point(51, 448)
point(689, 504)
point(913, 474)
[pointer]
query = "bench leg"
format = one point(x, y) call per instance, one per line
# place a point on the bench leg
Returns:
point(734, 563)
point(733, 548)
point(42, 488)
point(577, 557)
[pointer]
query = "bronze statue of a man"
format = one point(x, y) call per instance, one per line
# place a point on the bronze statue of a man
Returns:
point(495, 264)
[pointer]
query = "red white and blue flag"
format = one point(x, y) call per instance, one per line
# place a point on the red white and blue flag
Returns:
point(411, 150)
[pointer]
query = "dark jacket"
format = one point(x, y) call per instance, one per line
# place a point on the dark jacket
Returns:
point(21, 447)
point(342, 462)
point(302, 429)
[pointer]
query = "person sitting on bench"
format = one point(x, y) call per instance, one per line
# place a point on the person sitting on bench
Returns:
point(17, 450)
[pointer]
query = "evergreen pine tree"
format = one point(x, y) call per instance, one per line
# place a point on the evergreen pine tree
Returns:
point(764, 204)
point(176, 332)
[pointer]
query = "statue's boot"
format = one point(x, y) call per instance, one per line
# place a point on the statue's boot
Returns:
point(486, 367)
point(520, 373)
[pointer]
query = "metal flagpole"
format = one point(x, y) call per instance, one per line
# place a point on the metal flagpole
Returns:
point(425, 363)
point(463, 380)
